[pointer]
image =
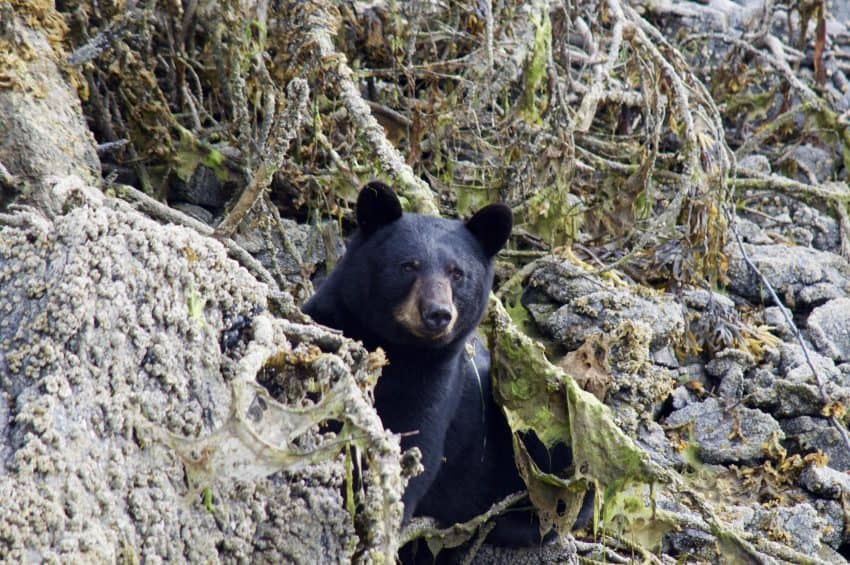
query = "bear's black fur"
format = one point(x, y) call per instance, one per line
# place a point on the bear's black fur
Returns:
point(417, 287)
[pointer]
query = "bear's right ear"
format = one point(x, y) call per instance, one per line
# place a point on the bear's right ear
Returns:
point(377, 206)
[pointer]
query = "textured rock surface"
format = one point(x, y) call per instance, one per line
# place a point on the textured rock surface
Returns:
point(790, 389)
point(727, 435)
point(799, 526)
point(554, 553)
point(747, 398)
point(829, 328)
point(587, 305)
point(42, 129)
point(110, 360)
point(801, 276)
point(292, 252)
point(807, 434)
point(780, 218)
point(825, 482)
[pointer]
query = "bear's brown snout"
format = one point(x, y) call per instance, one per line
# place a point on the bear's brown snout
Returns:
point(435, 305)
point(429, 309)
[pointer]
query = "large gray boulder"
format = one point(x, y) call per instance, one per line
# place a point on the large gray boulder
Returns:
point(137, 408)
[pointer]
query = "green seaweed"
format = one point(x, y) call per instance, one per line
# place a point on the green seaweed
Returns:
point(207, 500)
point(349, 480)
point(540, 397)
point(195, 304)
point(190, 153)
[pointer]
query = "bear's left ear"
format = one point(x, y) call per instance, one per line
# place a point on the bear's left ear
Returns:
point(377, 206)
point(491, 226)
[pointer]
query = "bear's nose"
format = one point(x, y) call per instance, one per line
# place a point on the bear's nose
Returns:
point(436, 317)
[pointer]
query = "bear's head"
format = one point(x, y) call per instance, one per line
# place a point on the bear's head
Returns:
point(414, 280)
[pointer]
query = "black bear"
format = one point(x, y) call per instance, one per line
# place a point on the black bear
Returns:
point(417, 286)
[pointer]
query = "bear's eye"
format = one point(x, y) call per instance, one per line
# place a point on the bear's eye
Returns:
point(455, 273)
point(410, 266)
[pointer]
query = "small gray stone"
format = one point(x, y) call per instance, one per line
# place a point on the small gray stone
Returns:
point(733, 435)
point(799, 370)
point(758, 163)
point(562, 281)
point(732, 384)
point(795, 365)
point(603, 311)
point(700, 299)
point(651, 437)
point(806, 434)
point(751, 232)
point(666, 357)
point(790, 389)
point(801, 524)
point(801, 236)
point(832, 513)
point(740, 515)
point(774, 318)
point(786, 398)
point(825, 481)
point(822, 227)
point(730, 366)
point(692, 372)
point(814, 164)
point(681, 397)
point(829, 328)
point(796, 390)
point(730, 359)
point(819, 292)
point(586, 305)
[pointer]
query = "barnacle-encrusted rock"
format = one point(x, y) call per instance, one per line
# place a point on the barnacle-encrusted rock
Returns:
point(133, 430)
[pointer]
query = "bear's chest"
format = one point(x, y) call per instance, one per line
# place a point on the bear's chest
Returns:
point(418, 397)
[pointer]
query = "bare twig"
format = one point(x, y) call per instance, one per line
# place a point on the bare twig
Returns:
point(608, 554)
point(107, 36)
point(111, 145)
point(646, 556)
point(591, 100)
point(777, 60)
point(758, 180)
point(764, 132)
point(488, 31)
point(459, 533)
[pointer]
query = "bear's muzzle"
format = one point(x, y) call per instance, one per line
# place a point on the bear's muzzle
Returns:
point(428, 311)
